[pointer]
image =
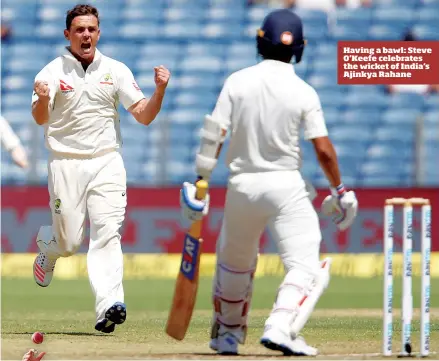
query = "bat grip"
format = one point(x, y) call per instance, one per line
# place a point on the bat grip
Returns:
point(202, 187)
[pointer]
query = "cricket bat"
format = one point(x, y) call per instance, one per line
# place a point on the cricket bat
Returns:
point(186, 285)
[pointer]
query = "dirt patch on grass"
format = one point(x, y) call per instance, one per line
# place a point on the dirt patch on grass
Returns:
point(338, 334)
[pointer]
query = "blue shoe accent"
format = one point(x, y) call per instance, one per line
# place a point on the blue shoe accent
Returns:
point(115, 315)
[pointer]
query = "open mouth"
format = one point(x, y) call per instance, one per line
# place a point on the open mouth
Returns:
point(86, 47)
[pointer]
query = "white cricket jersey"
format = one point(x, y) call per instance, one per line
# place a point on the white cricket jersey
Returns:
point(264, 107)
point(84, 119)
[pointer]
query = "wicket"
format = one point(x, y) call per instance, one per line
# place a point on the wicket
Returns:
point(407, 296)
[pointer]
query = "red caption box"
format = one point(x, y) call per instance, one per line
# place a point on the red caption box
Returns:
point(388, 62)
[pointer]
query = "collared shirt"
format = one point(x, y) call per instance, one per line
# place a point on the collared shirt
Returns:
point(265, 107)
point(83, 109)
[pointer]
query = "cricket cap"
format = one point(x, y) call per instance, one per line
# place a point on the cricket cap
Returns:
point(283, 28)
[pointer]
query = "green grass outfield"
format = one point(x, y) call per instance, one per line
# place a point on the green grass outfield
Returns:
point(347, 322)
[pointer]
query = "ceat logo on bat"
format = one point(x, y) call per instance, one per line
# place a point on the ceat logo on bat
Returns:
point(190, 256)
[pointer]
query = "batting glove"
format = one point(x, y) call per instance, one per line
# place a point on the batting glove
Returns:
point(193, 209)
point(341, 206)
point(32, 355)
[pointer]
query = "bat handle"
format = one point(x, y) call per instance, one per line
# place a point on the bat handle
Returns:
point(202, 187)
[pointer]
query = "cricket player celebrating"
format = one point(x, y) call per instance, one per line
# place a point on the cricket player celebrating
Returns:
point(76, 98)
point(265, 107)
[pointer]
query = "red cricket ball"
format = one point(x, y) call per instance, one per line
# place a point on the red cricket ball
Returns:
point(37, 337)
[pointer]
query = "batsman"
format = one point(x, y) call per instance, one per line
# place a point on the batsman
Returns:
point(265, 108)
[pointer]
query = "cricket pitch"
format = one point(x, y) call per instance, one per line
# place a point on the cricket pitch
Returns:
point(347, 323)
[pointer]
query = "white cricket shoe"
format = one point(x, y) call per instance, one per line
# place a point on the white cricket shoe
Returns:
point(277, 340)
point(43, 265)
point(213, 344)
point(226, 342)
point(43, 269)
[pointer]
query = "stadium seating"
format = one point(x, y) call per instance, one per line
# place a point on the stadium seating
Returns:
point(202, 42)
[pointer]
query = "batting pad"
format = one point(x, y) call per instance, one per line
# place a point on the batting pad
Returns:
point(307, 304)
point(233, 292)
point(297, 297)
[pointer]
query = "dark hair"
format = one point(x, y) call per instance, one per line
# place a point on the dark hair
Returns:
point(269, 51)
point(80, 10)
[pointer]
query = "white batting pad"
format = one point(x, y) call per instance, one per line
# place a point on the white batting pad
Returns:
point(233, 293)
point(305, 309)
point(296, 299)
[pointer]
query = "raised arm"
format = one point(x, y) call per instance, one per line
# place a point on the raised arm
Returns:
point(43, 97)
point(40, 108)
point(146, 110)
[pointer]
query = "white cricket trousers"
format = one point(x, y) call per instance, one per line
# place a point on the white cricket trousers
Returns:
point(96, 186)
point(277, 201)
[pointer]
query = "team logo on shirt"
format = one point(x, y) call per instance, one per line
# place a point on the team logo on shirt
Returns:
point(57, 205)
point(107, 79)
point(286, 38)
point(64, 87)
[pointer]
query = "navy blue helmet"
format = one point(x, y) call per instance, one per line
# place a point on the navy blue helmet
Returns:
point(281, 36)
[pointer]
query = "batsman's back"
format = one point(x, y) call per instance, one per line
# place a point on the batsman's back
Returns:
point(270, 104)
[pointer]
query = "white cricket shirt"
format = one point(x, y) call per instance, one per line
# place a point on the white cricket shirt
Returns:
point(84, 119)
point(264, 107)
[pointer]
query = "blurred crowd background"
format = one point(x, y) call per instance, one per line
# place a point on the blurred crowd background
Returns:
point(385, 136)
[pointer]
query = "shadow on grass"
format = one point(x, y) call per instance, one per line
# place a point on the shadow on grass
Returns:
point(214, 355)
point(59, 333)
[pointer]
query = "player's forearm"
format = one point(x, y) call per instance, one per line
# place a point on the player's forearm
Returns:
point(40, 111)
point(8, 137)
point(329, 163)
point(148, 112)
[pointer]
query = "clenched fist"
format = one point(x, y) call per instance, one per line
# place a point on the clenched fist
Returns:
point(41, 88)
point(161, 77)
